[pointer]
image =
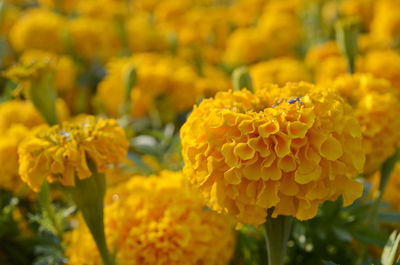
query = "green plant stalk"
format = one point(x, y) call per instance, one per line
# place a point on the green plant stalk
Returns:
point(88, 195)
point(277, 232)
point(347, 31)
point(48, 209)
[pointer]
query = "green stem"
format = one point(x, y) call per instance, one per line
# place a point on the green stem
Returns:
point(277, 232)
point(48, 210)
point(88, 195)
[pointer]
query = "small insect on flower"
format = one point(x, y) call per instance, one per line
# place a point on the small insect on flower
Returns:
point(293, 100)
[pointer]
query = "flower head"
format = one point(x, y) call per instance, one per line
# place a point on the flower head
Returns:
point(157, 220)
point(377, 109)
point(38, 29)
point(279, 71)
point(154, 81)
point(287, 148)
point(61, 152)
point(9, 142)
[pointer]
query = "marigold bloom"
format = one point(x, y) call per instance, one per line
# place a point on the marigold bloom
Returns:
point(279, 22)
point(383, 64)
point(23, 112)
point(377, 108)
point(154, 80)
point(386, 21)
point(66, 70)
point(87, 33)
point(287, 148)
point(60, 152)
point(9, 142)
point(279, 71)
point(38, 29)
point(157, 221)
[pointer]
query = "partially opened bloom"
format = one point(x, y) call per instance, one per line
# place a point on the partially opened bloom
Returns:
point(286, 148)
point(157, 221)
point(377, 109)
point(61, 152)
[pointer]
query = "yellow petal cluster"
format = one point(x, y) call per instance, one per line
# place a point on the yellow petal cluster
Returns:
point(279, 71)
point(377, 108)
point(61, 153)
point(38, 29)
point(383, 64)
point(17, 118)
point(157, 220)
point(92, 39)
point(386, 22)
point(66, 70)
point(276, 33)
point(155, 81)
point(286, 148)
point(9, 142)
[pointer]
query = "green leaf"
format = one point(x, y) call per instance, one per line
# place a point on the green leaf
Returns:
point(386, 170)
point(390, 249)
point(392, 217)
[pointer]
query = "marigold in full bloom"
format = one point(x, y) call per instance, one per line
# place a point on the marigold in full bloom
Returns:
point(287, 148)
point(38, 29)
point(157, 221)
point(279, 71)
point(154, 80)
point(383, 64)
point(377, 108)
point(60, 152)
point(9, 142)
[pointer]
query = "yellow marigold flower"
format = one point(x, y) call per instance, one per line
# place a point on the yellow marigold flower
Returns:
point(377, 108)
point(384, 64)
point(391, 195)
point(38, 29)
point(276, 34)
point(169, 225)
point(24, 113)
point(155, 79)
point(279, 71)
point(87, 33)
point(287, 148)
point(386, 21)
point(66, 70)
point(9, 142)
point(362, 9)
point(59, 152)
point(144, 36)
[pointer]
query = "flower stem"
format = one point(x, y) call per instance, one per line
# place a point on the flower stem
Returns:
point(277, 232)
point(48, 209)
point(88, 195)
